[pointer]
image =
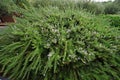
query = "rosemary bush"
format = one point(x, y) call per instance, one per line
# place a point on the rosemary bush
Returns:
point(113, 19)
point(52, 44)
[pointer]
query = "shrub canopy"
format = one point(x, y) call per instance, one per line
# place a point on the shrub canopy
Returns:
point(60, 44)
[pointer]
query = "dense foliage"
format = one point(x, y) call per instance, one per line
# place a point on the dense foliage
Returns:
point(111, 8)
point(56, 40)
point(96, 8)
point(54, 44)
point(7, 7)
point(114, 20)
point(93, 7)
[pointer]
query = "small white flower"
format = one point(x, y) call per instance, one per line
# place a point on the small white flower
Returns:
point(78, 58)
point(54, 40)
point(50, 54)
point(47, 45)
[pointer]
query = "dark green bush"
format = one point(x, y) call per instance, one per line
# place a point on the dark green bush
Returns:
point(52, 44)
point(117, 2)
point(111, 8)
point(3, 10)
point(114, 20)
point(93, 7)
point(7, 7)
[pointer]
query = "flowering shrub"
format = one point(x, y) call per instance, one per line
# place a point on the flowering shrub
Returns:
point(114, 20)
point(52, 44)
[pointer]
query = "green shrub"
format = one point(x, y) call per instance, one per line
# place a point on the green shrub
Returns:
point(4, 37)
point(114, 20)
point(111, 8)
point(52, 44)
point(117, 2)
point(25, 4)
point(7, 7)
point(93, 7)
point(63, 5)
